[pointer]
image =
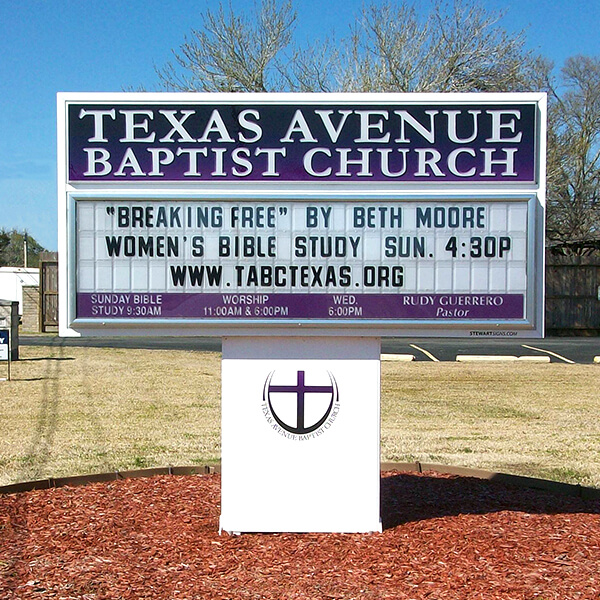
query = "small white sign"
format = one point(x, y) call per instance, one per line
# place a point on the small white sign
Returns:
point(4, 344)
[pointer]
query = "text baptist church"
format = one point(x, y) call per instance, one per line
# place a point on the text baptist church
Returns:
point(267, 142)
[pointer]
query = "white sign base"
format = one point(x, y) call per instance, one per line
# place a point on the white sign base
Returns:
point(300, 434)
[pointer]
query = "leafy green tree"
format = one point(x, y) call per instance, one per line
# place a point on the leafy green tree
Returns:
point(12, 248)
point(4, 242)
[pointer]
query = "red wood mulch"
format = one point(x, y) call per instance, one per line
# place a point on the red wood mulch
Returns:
point(444, 538)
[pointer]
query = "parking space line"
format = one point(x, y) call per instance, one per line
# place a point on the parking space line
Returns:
point(425, 352)
point(567, 360)
point(484, 358)
point(398, 357)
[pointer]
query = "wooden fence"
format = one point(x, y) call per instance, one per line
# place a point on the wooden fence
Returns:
point(572, 295)
point(48, 291)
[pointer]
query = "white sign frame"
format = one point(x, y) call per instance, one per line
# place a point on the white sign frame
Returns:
point(532, 192)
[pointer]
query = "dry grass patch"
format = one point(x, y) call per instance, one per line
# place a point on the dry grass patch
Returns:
point(529, 419)
point(73, 410)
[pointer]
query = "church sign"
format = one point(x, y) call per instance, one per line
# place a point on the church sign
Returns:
point(301, 228)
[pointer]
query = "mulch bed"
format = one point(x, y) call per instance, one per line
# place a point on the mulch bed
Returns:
point(444, 538)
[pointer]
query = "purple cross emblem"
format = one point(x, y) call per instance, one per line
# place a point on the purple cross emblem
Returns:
point(302, 392)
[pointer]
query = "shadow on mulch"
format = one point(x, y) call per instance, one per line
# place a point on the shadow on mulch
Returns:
point(407, 497)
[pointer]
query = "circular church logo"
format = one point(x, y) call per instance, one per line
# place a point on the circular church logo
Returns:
point(300, 404)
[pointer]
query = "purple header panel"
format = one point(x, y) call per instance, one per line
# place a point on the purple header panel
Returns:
point(236, 307)
point(425, 143)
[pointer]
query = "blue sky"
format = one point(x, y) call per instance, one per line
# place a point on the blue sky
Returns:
point(55, 46)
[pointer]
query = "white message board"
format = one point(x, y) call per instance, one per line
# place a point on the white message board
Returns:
point(302, 214)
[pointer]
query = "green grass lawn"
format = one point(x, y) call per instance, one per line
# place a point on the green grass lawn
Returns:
point(72, 411)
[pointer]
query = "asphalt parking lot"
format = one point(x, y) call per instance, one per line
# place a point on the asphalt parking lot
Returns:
point(568, 350)
point(580, 350)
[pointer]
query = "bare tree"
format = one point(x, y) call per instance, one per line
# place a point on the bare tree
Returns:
point(573, 221)
point(456, 48)
point(391, 48)
point(233, 52)
point(313, 68)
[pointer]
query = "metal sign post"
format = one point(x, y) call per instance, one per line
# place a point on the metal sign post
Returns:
point(301, 228)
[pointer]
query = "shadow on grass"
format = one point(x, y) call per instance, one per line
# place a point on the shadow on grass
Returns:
point(408, 497)
point(41, 443)
point(51, 358)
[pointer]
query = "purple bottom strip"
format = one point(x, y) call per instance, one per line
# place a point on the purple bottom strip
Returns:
point(138, 305)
